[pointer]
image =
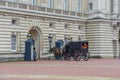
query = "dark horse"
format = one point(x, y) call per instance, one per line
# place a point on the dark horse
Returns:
point(57, 53)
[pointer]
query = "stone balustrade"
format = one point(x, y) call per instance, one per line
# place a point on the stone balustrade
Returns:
point(55, 11)
point(39, 8)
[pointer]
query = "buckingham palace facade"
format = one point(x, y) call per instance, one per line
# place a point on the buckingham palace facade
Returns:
point(94, 20)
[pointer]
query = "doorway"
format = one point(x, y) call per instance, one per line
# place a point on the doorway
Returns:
point(36, 34)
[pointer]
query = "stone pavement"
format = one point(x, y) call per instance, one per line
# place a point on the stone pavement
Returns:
point(94, 69)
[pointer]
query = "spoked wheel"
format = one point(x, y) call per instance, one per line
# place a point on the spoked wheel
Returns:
point(64, 56)
point(86, 56)
point(77, 56)
point(68, 57)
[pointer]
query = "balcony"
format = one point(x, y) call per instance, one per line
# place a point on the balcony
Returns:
point(40, 9)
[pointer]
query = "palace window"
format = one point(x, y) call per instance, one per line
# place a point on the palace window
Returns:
point(79, 27)
point(50, 3)
point(115, 27)
point(79, 5)
point(90, 6)
point(65, 4)
point(14, 22)
point(13, 42)
point(79, 38)
point(66, 26)
point(33, 2)
point(51, 25)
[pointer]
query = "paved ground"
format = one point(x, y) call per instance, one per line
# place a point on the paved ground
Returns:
point(94, 69)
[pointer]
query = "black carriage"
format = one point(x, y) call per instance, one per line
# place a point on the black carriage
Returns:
point(77, 50)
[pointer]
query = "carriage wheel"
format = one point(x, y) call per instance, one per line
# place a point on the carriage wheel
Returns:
point(86, 56)
point(68, 57)
point(64, 56)
point(77, 56)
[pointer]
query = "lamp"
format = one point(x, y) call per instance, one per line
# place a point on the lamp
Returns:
point(50, 40)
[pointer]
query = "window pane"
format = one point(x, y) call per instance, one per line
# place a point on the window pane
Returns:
point(79, 27)
point(13, 22)
point(66, 26)
point(50, 4)
point(79, 38)
point(65, 4)
point(33, 2)
point(13, 42)
point(79, 6)
point(91, 6)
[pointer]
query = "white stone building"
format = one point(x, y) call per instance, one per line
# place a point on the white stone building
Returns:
point(94, 20)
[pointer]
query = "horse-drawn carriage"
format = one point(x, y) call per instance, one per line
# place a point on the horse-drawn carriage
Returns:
point(75, 50)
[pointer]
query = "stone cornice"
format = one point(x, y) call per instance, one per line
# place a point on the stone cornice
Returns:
point(39, 13)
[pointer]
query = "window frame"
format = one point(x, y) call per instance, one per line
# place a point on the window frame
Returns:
point(13, 42)
point(90, 6)
point(66, 26)
point(79, 38)
point(16, 21)
point(50, 4)
point(51, 25)
point(79, 27)
point(33, 2)
point(65, 4)
point(79, 5)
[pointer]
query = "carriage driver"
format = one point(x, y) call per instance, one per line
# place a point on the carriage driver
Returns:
point(84, 45)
